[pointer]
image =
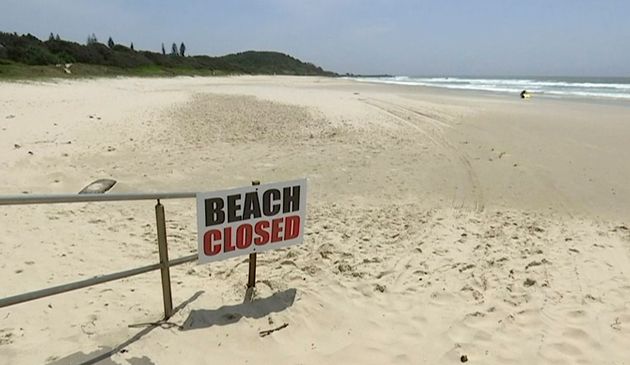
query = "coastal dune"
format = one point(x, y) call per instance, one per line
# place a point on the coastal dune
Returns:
point(442, 225)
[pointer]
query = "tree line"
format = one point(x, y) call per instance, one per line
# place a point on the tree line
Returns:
point(91, 39)
point(28, 49)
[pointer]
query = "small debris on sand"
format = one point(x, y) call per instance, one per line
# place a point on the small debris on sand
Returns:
point(344, 267)
point(380, 288)
point(532, 264)
point(98, 187)
point(529, 282)
point(268, 332)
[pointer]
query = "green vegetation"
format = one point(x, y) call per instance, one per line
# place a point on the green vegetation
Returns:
point(272, 63)
point(25, 56)
point(13, 70)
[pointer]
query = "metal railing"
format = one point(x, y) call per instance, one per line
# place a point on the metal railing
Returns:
point(164, 265)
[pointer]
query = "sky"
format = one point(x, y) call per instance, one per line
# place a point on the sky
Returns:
point(406, 37)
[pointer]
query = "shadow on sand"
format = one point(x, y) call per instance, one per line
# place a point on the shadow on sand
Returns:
point(202, 318)
point(104, 353)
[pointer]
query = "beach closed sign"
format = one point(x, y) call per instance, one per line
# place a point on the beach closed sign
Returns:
point(250, 219)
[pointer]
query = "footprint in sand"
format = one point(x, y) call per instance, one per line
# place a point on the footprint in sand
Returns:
point(89, 328)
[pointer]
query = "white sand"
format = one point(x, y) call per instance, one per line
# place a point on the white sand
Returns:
point(428, 213)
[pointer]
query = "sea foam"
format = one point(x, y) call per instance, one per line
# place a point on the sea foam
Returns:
point(615, 88)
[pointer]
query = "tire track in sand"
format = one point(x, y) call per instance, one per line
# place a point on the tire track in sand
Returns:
point(433, 128)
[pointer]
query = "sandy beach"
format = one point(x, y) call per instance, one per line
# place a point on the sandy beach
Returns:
point(440, 223)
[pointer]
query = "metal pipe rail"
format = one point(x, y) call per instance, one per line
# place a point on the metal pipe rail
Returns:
point(26, 297)
point(80, 198)
point(164, 264)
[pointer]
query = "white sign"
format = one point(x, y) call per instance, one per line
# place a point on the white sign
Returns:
point(252, 219)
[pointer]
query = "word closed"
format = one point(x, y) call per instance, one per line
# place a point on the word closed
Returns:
point(251, 219)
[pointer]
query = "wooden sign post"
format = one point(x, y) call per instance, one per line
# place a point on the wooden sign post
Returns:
point(251, 281)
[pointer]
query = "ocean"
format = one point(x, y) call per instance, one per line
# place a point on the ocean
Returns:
point(589, 87)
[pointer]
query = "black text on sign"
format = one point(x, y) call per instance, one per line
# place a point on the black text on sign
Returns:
point(250, 219)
